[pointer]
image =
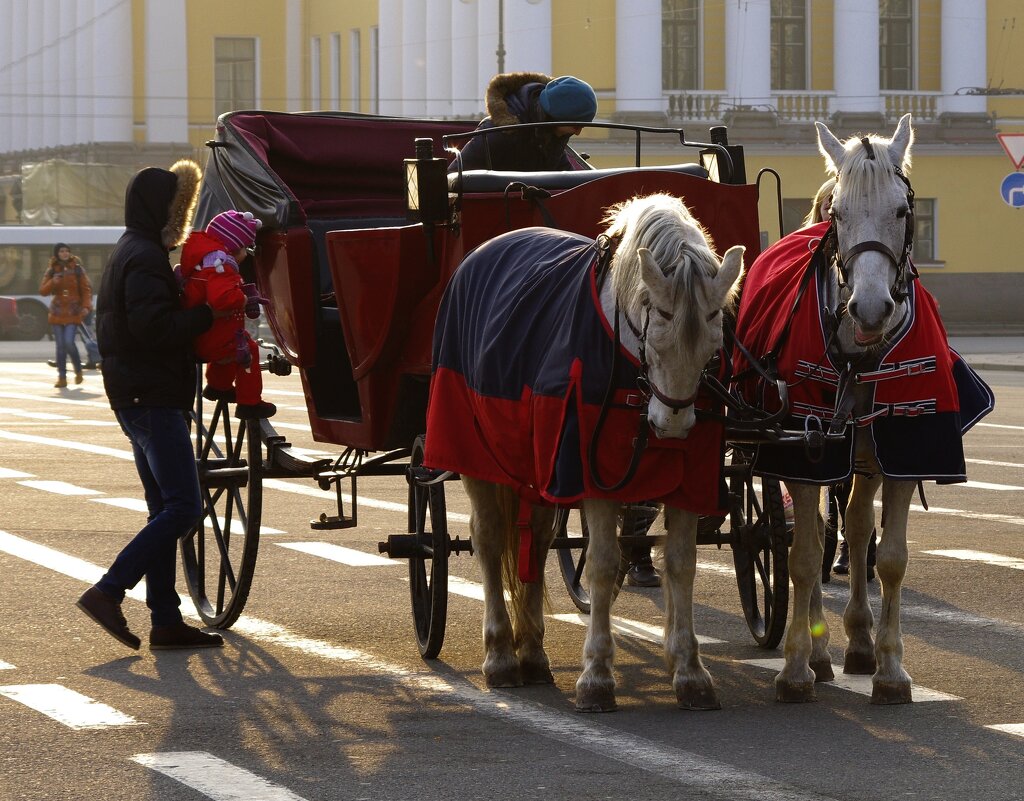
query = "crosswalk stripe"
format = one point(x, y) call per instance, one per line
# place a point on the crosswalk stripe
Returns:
point(855, 684)
point(6, 472)
point(215, 778)
point(139, 505)
point(6, 665)
point(998, 560)
point(337, 553)
point(631, 628)
point(74, 710)
point(1016, 729)
point(59, 487)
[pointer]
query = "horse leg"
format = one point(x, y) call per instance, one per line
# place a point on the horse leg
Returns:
point(695, 689)
point(528, 606)
point(820, 661)
point(891, 683)
point(795, 683)
point(595, 688)
point(857, 619)
point(488, 527)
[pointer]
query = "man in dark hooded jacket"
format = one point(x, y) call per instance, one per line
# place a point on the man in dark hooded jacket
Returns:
point(522, 97)
point(149, 374)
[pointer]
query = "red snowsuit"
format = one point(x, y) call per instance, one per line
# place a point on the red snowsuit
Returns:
point(220, 285)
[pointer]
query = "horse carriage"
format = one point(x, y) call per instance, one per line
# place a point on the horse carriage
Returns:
point(364, 229)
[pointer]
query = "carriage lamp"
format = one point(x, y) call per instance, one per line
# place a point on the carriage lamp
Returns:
point(426, 185)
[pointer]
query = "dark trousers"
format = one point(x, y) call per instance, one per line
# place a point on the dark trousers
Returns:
point(166, 465)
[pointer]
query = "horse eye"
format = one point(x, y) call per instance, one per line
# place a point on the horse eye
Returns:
point(901, 213)
point(835, 214)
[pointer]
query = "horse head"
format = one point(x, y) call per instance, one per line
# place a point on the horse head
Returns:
point(873, 218)
point(671, 289)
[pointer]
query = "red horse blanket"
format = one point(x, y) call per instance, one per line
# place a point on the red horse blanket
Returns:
point(522, 357)
point(925, 397)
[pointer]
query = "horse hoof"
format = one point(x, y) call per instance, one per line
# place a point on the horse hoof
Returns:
point(792, 692)
point(697, 698)
point(891, 692)
point(596, 699)
point(859, 664)
point(537, 674)
point(510, 677)
point(822, 670)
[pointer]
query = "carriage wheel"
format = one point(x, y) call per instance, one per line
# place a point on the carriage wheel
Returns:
point(760, 550)
point(428, 567)
point(572, 560)
point(219, 555)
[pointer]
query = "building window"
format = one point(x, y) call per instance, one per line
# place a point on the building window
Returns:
point(789, 44)
point(234, 68)
point(924, 249)
point(896, 44)
point(680, 44)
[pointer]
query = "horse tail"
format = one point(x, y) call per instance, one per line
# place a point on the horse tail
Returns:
point(509, 505)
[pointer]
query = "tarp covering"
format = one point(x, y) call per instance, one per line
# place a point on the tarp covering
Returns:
point(62, 192)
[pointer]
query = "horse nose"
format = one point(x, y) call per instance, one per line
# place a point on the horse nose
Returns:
point(673, 423)
point(861, 313)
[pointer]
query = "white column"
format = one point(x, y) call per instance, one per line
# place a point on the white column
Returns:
point(528, 36)
point(7, 100)
point(487, 42)
point(166, 80)
point(19, 72)
point(293, 55)
point(963, 55)
point(467, 91)
point(112, 71)
point(34, 109)
point(389, 60)
point(855, 58)
point(67, 51)
point(439, 58)
point(748, 55)
point(414, 58)
point(638, 56)
point(85, 103)
point(50, 44)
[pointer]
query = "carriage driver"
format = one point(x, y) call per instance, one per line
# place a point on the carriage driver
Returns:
point(522, 97)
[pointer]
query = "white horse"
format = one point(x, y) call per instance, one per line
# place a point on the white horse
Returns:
point(872, 212)
point(667, 289)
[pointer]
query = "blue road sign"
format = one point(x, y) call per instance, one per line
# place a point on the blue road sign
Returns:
point(1012, 189)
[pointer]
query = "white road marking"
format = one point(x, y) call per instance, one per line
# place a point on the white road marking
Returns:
point(85, 447)
point(6, 472)
point(139, 505)
point(999, 425)
point(6, 665)
point(337, 553)
point(981, 557)
point(990, 463)
point(58, 400)
point(32, 415)
point(989, 486)
point(214, 778)
point(630, 628)
point(1016, 729)
point(74, 710)
point(855, 684)
point(59, 487)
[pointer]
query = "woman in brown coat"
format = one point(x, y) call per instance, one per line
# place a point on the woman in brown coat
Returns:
point(67, 282)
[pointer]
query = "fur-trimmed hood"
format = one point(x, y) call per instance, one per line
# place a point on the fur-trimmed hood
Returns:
point(505, 84)
point(159, 204)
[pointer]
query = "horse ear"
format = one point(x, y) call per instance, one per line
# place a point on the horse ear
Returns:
point(830, 147)
point(651, 272)
point(899, 147)
point(729, 274)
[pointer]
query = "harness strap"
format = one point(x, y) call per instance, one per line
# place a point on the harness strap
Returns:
point(529, 569)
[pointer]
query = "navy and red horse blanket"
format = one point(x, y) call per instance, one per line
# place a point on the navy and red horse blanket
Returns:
point(522, 358)
point(925, 397)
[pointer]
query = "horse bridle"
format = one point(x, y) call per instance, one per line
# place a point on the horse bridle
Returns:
point(898, 290)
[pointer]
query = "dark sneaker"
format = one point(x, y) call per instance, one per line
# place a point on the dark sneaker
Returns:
point(642, 574)
point(211, 393)
point(842, 565)
point(92, 365)
point(51, 362)
point(106, 611)
point(255, 411)
point(181, 635)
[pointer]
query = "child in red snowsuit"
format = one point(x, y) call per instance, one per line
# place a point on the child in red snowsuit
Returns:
point(209, 272)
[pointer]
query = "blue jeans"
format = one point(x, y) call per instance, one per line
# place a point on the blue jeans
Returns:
point(64, 336)
point(166, 464)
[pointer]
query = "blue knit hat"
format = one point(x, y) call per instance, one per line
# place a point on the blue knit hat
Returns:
point(570, 99)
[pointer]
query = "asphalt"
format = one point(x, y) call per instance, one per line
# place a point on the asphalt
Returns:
point(986, 351)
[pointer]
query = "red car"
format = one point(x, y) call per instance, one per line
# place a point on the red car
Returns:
point(10, 323)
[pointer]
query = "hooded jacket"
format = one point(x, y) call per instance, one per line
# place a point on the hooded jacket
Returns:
point(145, 336)
point(512, 98)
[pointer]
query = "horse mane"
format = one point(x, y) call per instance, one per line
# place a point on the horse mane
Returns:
point(662, 224)
point(861, 174)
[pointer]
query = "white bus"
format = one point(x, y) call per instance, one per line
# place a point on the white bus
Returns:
point(25, 253)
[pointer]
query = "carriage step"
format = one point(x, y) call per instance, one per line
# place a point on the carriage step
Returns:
point(413, 546)
point(330, 522)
